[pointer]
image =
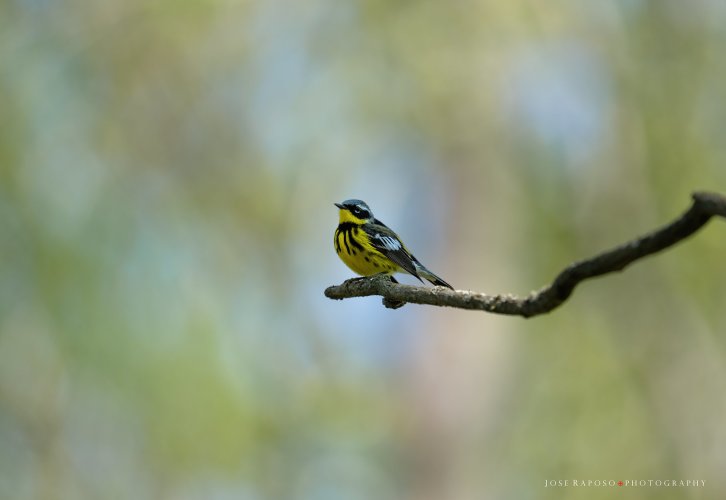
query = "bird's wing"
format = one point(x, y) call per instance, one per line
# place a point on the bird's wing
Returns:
point(383, 239)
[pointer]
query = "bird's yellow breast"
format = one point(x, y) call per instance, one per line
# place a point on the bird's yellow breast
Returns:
point(353, 248)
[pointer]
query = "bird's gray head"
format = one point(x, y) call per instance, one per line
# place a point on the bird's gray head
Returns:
point(358, 209)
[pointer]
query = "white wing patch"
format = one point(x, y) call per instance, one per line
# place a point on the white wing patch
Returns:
point(388, 242)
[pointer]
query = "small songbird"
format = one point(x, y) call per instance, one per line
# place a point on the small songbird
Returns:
point(368, 246)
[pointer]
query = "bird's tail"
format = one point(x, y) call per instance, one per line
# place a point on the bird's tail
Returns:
point(432, 277)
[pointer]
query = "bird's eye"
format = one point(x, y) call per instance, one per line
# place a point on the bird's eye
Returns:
point(356, 211)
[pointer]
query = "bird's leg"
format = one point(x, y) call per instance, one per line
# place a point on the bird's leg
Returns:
point(361, 278)
point(356, 279)
point(390, 304)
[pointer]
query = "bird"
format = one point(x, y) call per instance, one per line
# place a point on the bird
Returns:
point(367, 246)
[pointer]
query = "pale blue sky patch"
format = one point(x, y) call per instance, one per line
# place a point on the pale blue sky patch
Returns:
point(560, 94)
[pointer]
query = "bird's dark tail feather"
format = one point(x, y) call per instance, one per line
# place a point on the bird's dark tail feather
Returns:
point(433, 278)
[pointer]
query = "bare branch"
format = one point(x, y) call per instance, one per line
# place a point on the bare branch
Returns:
point(705, 205)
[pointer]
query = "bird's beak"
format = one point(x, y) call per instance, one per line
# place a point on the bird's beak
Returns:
point(338, 205)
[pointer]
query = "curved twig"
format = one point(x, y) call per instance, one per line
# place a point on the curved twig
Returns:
point(705, 205)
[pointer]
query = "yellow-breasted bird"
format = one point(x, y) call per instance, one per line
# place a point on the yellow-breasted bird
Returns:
point(369, 247)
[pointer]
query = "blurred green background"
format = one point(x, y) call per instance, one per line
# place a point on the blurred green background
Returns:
point(167, 177)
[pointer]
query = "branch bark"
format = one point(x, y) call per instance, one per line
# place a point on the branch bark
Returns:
point(705, 205)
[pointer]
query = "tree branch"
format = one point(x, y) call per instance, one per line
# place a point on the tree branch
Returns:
point(705, 205)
